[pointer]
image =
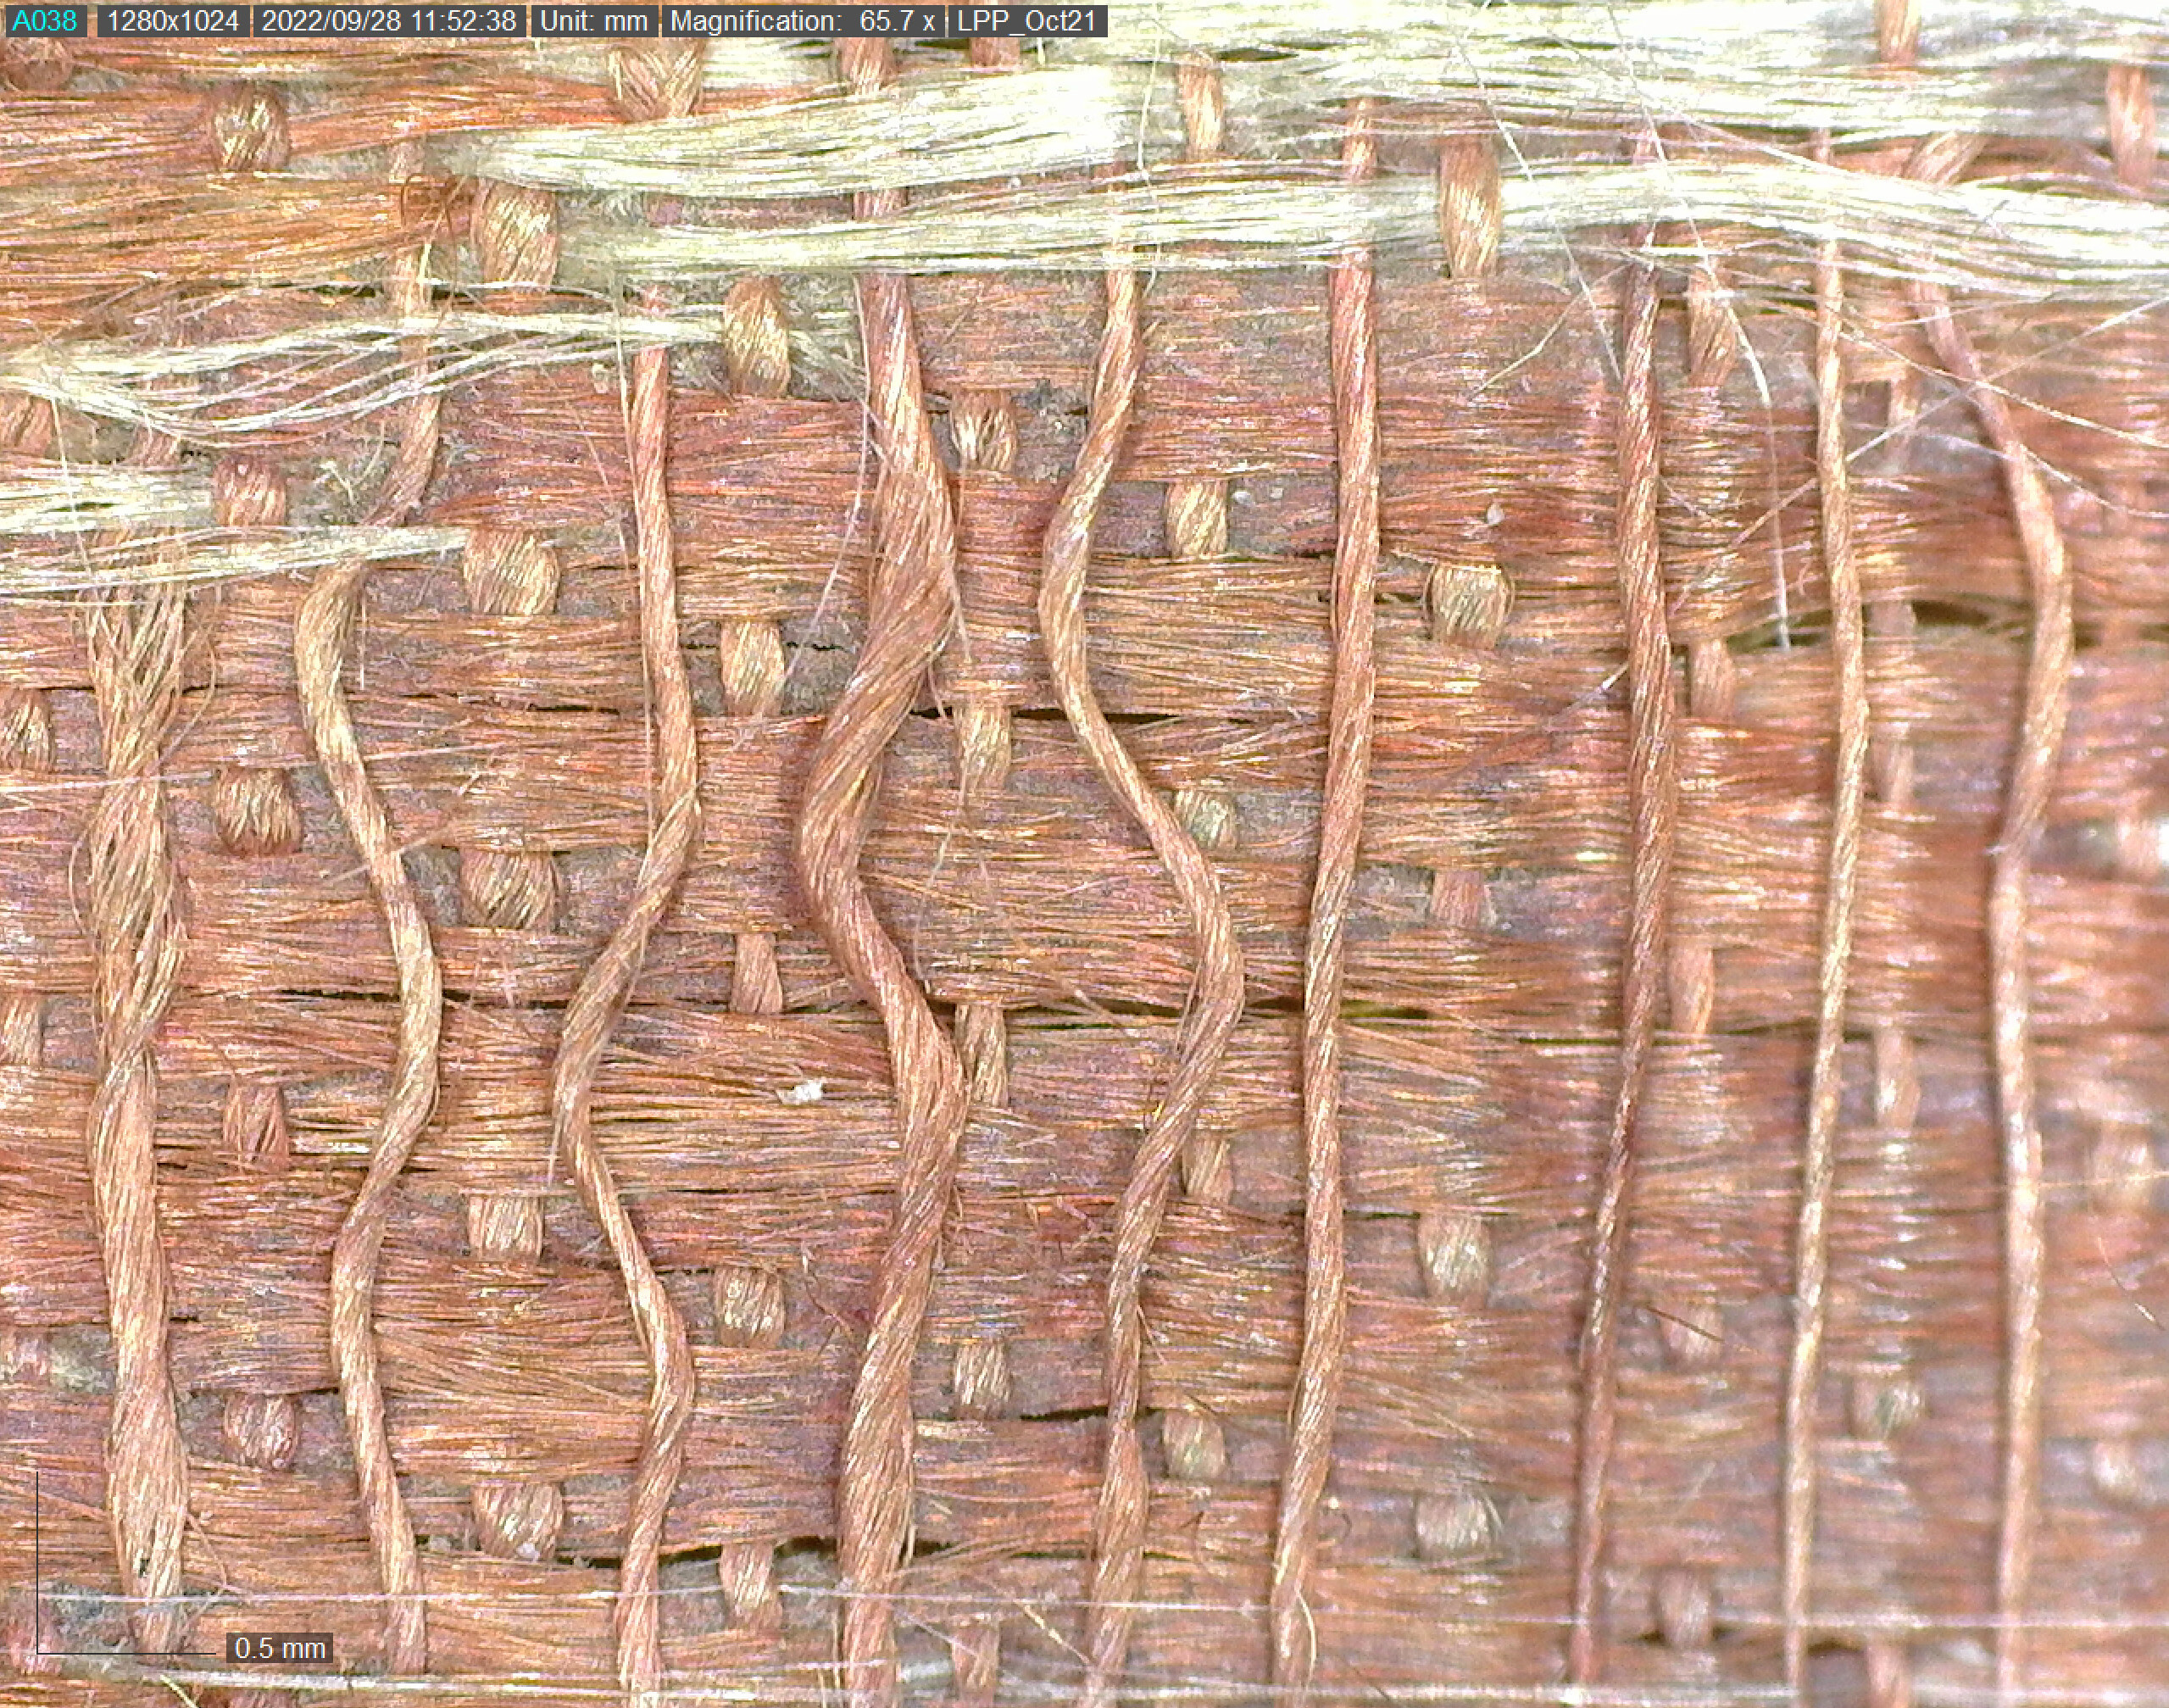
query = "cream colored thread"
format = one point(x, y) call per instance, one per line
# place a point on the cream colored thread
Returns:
point(55, 498)
point(926, 131)
point(2011, 66)
point(338, 370)
point(1651, 62)
point(2014, 243)
point(138, 565)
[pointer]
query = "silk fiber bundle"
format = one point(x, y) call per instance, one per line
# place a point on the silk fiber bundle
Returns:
point(1318, 856)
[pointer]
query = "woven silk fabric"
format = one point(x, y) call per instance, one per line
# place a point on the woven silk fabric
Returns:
point(1311, 858)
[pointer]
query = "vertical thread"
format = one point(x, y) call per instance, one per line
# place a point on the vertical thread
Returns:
point(2134, 126)
point(517, 1520)
point(247, 123)
point(655, 80)
point(910, 606)
point(508, 573)
point(1892, 623)
point(136, 931)
point(1652, 804)
point(1469, 205)
point(1216, 997)
point(658, 79)
point(22, 1028)
point(745, 1574)
point(323, 632)
point(134, 922)
point(983, 424)
point(750, 655)
point(756, 339)
point(1898, 32)
point(975, 1660)
point(2046, 708)
point(1713, 329)
point(255, 814)
point(26, 731)
point(1818, 1164)
point(1316, 1397)
point(757, 361)
point(1201, 97)
point(36, 65)
point(1194, 515)
point(407, 294)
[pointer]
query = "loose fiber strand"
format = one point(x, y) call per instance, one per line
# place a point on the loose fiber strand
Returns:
point(1216, 1002)
point(594, 1008)
point(909, 610)
point(1348, 771)
point(135, 927)
point(1818, 1164)
point(2045, 708)
point(1653, 805)
point(323, 634)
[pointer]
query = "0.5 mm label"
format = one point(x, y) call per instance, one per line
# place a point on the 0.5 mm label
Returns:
point(278, 1648)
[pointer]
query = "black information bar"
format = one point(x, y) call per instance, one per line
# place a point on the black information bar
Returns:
point(921, 23)
point(577, 19)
